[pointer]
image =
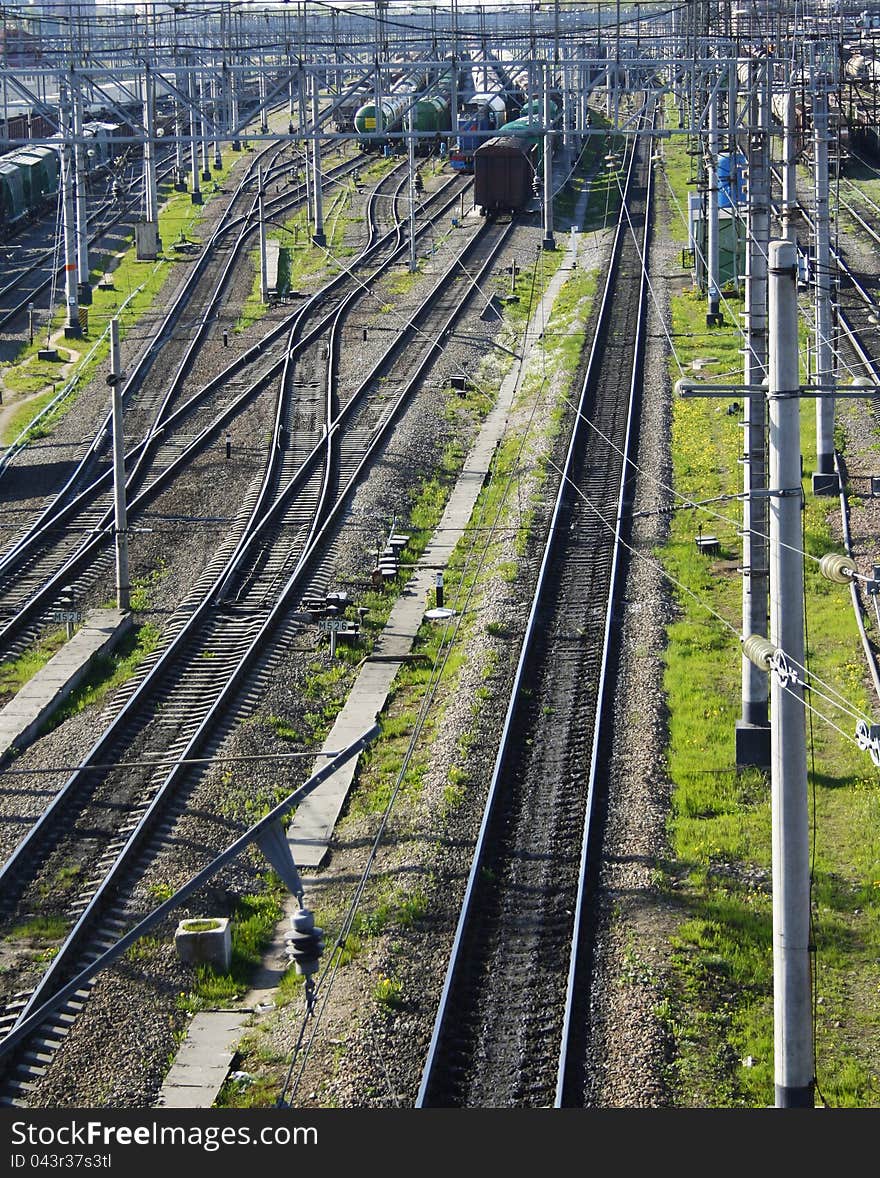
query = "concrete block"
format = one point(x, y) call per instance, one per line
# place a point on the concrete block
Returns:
point(826, 484)
point(205, 941)
point(752, 743)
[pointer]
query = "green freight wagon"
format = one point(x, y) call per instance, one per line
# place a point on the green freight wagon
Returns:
point(13, 206)
point(432, 114)
point(39, 167)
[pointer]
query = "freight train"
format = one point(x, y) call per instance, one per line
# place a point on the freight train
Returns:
point(838, 128)
point(431, 107)
point(348, 107)
point(529, 126)
point(372, 124)
point(506, 166)
point(24, 126)
point(30, 176)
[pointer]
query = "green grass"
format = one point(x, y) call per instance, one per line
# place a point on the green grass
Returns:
point(16, 672)
point(39, 929)
point(719, 1004)
point(107, 672)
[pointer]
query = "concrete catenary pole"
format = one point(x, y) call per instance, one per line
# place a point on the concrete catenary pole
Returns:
point(264, 262)
point(196, 194)
point(217, 94)
point(549, 241)
point(317, 195)
point(789, 169)
point(203, 114)
point(410, 145)
point(303, 123)
point(179, 110)
point(72, 327)
point(752, 730)
point(150, 190)
point(123, 585)
point(455, 65)
point(825, 480)
point(713, 313)
point(84, 287)
point(793, 1054)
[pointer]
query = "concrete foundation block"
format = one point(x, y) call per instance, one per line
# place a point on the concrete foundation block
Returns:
point(752, 745)
point(205, 941)
point(826, 484)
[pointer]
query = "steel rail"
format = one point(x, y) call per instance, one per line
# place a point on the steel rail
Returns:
point(602, 700)
point(85, 554)
point(57, 511)
point(58, 272)
point(455, 964)
point(254, 651)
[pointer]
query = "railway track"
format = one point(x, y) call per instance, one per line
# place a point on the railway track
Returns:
point(17, 295)
point(178, 705)
point(512, 1018)
point(61, 540)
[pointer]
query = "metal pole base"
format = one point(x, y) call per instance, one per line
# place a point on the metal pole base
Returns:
point(549, 242)
point(218, 163)
point(752, 743)
point(180, 186)
point(196, 198)
point(236, 145)
point(787, 1097)
point(319, 239)
point(206, 174)
point(714, 319)
point(73, 331)
point(826, 484)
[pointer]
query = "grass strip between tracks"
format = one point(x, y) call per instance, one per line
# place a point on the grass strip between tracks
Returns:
point(718, 994)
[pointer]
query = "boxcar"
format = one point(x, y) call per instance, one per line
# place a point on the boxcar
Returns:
point(503, 175)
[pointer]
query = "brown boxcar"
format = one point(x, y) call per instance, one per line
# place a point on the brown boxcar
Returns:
point(503, 175)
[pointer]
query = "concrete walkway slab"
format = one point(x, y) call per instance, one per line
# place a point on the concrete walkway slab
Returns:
point(203, 1061)
point(23, 716)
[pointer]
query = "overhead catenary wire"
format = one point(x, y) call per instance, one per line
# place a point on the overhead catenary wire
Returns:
point(816, 686)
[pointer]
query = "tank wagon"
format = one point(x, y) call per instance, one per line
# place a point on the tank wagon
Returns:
point(372, 120)
point(431, 115)
point(530, 124)
point(504, 172)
